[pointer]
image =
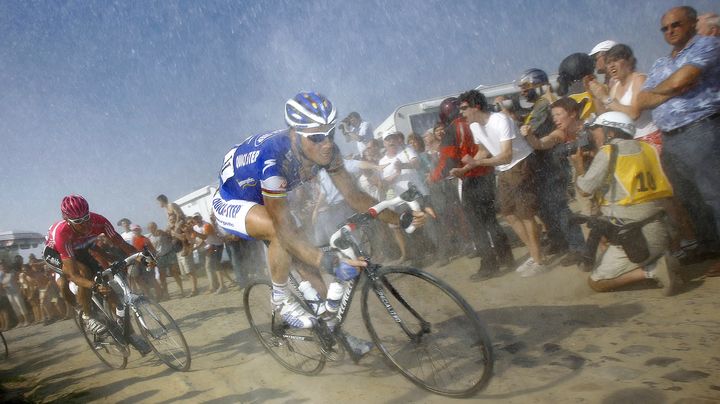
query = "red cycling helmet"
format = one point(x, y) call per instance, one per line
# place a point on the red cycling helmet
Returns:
point(449, 110)
point(74, 207)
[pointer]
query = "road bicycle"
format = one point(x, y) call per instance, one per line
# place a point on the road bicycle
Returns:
point(157, 328)
point(423, 327)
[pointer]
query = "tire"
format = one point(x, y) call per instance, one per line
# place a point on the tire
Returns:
point(4, 353)
point(109, 347)
point(452, 355)
point(298, 350)
point(163, 334)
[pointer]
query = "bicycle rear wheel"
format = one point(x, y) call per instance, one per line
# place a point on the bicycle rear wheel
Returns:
point(163, 334)
point(297, 350)
point(108, 346)
point(429, 332)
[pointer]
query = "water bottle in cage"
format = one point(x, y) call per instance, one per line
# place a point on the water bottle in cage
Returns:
point(335, 293)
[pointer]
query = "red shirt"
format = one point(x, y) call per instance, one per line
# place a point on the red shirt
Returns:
point(457, 142)
point(63, 239)
point(139, 242)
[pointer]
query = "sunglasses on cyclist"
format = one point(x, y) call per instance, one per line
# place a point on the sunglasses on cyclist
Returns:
point(673, 25)
point(319, 137)
point(79, 220)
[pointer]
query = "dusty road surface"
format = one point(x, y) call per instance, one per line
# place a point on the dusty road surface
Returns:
point(554, 340)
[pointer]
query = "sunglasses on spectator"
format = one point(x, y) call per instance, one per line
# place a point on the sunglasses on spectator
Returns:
point(79, 220)
point(673, 25)
point(319, 137)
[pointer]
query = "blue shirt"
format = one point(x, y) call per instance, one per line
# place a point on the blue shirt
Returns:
point(703, 98)
point(264, 166)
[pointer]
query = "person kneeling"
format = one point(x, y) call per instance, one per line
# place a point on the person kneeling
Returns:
point(628, 182)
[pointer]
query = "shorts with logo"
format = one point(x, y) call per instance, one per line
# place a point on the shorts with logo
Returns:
point(231, 215)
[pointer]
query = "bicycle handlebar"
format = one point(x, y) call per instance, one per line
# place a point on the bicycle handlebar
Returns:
point(410, 197)
point(119, 265)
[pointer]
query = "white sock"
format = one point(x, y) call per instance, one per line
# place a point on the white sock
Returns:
point(650, 270)
point(279, 292)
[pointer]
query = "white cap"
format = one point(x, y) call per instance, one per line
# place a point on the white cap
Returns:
point(388, 133)
point(603, 46)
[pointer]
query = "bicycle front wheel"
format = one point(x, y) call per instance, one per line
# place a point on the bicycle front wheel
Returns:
point(428, 332)
point(108, 346)
point(297, 350)
point(163, 334)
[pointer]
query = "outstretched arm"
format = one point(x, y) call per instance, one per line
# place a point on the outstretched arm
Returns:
point(356, 198)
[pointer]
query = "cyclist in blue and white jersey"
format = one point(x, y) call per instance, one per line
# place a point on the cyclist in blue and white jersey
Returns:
point(252, 202)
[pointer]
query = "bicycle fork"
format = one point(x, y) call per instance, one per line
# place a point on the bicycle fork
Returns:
point(425, 327)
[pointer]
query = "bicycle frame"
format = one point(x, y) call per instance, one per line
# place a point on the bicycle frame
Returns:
point(345, 242)
point(114, 276)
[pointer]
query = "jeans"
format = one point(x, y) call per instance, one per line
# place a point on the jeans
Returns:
point(478, 201)
point(690, 160)
point(234, 250)
point(555, 212)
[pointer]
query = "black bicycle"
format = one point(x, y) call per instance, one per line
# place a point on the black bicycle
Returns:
point(424, 328)
point(158, 331)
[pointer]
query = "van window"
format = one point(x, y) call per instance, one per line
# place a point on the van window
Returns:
point(420, 123)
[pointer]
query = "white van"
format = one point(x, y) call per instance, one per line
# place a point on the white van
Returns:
point(419, 116)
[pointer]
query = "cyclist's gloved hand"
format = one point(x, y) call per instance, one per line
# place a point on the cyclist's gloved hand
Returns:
point(346, 272)
point(331, 263)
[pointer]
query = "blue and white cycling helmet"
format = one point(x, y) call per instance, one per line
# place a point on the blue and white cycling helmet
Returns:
point(309, 109)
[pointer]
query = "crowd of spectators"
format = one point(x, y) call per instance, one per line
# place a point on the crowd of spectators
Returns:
point(487, 158)
point(30, 294)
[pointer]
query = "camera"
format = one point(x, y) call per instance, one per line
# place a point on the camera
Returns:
point(583, 141)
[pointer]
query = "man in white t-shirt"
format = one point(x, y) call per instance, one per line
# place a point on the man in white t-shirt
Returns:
point(357, 130)
point(400, 165)
point(212, 252)
point(330, 207)
point(399, 170)
point(512, 157)
point(126, 234)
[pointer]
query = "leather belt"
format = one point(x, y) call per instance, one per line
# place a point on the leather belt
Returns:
point(681, 129)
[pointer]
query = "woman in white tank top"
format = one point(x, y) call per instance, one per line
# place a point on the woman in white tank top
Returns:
point(623, 94)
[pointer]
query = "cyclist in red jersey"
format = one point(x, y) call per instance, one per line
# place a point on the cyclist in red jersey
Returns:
point(72, 239)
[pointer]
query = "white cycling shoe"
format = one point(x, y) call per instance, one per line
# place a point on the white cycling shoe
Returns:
point(94, 326)
point(294, 315)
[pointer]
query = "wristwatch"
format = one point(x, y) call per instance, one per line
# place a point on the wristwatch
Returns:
point(607, 101)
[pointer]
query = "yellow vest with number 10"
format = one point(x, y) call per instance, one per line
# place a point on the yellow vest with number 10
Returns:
point(641, 176)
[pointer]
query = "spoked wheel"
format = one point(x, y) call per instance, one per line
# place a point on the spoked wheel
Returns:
point(4, 353)
point(163, 334)
point(298, 350)
point(437, 340)
point(108, 346)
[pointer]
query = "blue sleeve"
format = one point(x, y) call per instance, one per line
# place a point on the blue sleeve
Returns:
point(653, 77)
point(704, 52)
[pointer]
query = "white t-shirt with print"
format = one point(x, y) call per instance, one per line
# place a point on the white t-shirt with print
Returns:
point(407, 175)
point(501, 128)
point(332, 194)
